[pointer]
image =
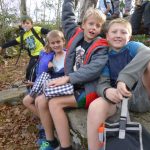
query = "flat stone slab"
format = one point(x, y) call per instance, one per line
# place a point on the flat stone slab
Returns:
point(12, 95)
point(78, 120)
point(77, 117)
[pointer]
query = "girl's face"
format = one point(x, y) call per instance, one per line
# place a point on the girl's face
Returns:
point(92, 28)
point(118, 36)
point(27, 25)
point(56, 44)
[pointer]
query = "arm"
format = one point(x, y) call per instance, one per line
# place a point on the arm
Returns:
point(9, 44)
point(107, 8)
point(103, 84)
point(130, 74)
point(92, 70)
point(88, 72)
point(110, 94)
point(68, 18)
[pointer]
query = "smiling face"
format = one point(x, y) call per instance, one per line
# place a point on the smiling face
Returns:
point(92, 28)
point(27, 25)
point(118, 36)
point(56, 44)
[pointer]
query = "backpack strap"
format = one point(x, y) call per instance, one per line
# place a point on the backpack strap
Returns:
point(37, 36)
point(21, 45)
point(123, 118)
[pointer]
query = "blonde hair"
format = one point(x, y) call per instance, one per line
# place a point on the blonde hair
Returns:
point(50, 35)
point(121, 21)
point(101, 17)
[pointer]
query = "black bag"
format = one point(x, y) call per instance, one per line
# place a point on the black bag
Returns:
point(125, 135)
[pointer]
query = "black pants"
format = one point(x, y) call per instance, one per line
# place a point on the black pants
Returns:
point(31, 68)
point(136, 18)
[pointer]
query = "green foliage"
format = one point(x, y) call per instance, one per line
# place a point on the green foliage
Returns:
point(6, 30)
point(50, 26)
point(122, 5)
point(142, 38)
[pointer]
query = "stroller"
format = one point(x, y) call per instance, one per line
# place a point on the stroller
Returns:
point(124, 135)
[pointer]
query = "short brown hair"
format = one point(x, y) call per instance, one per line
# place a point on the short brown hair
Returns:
point(53, 34)
point(25, 18)
point(101, 17)
point(121, 21)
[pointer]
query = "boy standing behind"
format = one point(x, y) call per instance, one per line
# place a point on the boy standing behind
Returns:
point(119, 77)
point(86, 56)
point(31, 40)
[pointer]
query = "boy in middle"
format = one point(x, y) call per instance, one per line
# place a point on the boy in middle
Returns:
point(127, 69)
point(85, 58)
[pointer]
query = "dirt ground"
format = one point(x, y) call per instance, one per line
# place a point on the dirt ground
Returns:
point(18, 129)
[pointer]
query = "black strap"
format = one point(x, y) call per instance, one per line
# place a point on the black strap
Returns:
point(21, 45)
point(21, 42)
point(37, 36)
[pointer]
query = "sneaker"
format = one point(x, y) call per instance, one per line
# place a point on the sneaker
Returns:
point(46, 146)
point(42, 136)
point(40, 141)
point(42, 133)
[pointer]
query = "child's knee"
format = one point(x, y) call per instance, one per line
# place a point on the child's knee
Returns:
point(53, 105)
point(148, 67)
point(28, 100)
point(98, 106)
point(147, 71)
point(41, 102)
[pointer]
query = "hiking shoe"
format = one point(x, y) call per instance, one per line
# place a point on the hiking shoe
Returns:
point(41, 136)
point(40, 141)
point(41, 133)
point(46, 146)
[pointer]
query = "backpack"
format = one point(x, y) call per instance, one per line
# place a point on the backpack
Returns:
point(124, 135)
point(111, 11)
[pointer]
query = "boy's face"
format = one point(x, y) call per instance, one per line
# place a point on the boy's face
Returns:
point(27, 25)
point(92, 28)
point(56, 44)
point(118, 36)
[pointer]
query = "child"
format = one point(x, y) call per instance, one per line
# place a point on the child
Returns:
point(141, 13)
point(121, 52)
point(33, 43)
point(85, 59)
point(106, 7)
point(55, 66)
point(128, 7)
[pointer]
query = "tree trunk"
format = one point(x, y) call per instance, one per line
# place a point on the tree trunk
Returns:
point(23, 9)
point(84, 5)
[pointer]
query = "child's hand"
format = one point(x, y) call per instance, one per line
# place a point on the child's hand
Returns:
point(113, 95)
point(122, 88)
point(50, 65)
point(60, 81)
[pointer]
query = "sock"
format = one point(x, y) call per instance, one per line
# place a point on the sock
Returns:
point(54, 143)
point(66, 148)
